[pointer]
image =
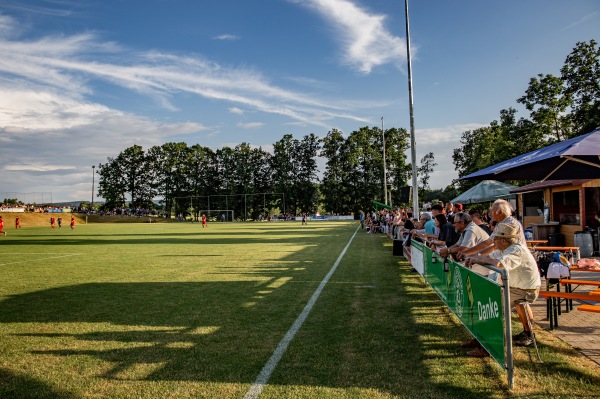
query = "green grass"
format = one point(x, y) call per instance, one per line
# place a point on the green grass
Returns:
point(174, 310)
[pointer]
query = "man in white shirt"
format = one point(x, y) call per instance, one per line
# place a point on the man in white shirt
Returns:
point(501, 212)
point(523, 272)
point(470, 236)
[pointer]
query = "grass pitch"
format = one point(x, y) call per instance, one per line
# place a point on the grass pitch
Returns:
point(175, 310)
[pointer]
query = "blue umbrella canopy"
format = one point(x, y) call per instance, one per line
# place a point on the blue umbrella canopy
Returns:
point(576, 158)
point(486, 191)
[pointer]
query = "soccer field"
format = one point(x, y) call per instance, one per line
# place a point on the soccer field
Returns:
point(175, 310)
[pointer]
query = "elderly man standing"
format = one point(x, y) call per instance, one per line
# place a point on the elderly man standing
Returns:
point(501, 212)
point(524, 277)
point(470, 236)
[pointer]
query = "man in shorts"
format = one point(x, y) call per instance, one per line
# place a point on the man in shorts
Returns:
point(2, 227)
point(522, 269)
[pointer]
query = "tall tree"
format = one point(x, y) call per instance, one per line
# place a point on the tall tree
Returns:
point(336, 178)
point(581, 74)
point(111, 184)
point(427, 167)
point(545, 99)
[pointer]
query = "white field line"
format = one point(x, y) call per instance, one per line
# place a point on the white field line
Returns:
point(269, 367)
point(33, 260)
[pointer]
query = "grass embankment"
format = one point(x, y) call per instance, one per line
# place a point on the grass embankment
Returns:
point(175, 310)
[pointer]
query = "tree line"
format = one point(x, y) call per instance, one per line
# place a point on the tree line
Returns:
point(251, 181)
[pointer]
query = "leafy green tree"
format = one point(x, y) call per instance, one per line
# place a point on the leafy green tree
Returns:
point(427, 167)
point(545, 99)
point(581, 74)
point(336, 178)
point(137, 176)
point(111, 184)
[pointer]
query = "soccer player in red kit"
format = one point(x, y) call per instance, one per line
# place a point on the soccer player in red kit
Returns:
point(72, 223)
point(2, 226)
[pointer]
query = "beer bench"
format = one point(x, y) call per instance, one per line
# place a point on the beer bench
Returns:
point(568, 283)
point(589, 308)
point(553, 302)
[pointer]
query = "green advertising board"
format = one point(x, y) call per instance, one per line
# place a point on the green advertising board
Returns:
point(474, 299)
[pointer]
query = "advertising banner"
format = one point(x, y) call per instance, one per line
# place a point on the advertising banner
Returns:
point(474, 299)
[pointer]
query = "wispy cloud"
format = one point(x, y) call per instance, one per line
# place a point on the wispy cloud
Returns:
point(581, 21)
point(367, 43)
point(236, 110)
point(65, 64)
point(227, 37)
point(250, 125)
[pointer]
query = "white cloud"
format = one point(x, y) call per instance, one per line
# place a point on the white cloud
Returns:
point(69, 63)
point(236, 110)
point(226, 37)
point(250, 125)
point(366, 41)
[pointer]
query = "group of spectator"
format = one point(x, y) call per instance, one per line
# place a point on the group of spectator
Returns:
point(495, 238)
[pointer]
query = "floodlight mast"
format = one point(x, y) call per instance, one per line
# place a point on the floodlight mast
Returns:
point(413, 150)
point(384, 166)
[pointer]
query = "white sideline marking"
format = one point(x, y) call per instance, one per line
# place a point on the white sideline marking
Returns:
point(269, 367)
point(33, 260)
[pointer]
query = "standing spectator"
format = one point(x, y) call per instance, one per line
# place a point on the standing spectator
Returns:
point(501, 213)
point(449, 210)
point(448, 234)
point(471, 235)
point(476, 216)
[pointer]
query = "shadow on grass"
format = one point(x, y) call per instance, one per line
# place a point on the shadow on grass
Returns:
point(365, 331)
point(18, 386)
point(370, 329)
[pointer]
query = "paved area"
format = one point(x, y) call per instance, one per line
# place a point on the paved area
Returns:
point(579, 329)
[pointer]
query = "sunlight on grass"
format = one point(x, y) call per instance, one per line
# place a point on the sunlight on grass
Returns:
point(171, 310)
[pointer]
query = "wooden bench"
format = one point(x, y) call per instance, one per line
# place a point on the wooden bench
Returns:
point(589, 308)
point(568, 283)
point(553, 302)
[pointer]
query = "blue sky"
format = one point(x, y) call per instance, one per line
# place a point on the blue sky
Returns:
point(82, 80)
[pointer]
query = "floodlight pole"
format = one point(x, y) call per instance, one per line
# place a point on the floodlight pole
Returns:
point(93, 184)
point(384, 166)
point(413, 149)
